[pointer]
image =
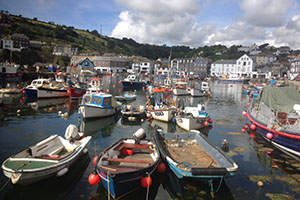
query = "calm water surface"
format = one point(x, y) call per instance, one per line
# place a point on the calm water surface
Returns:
point(257, 160)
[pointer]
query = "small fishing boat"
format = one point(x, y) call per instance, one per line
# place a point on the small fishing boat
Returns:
point(192, 118)
point(125, 165)
point(125, 97)
point(133, 112)
point(162, 112)
point(53, 89)
point(76, 92)
point(275, 115)
point(98, 105)
point(133, 82)
point(31, 90)
point(192, 155)
point(51, 157)
point(180, 88)
point(234, 78)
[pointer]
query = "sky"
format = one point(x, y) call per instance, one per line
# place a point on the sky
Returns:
point(193, 23)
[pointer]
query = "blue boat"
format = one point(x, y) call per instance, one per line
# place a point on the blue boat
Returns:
point(123, 164)
point(192, 155)
point(275, 115)
point(133, 82)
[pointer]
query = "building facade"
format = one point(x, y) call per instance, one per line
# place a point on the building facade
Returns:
point(240, 67)
point(198, 65)
point(20, 40)
point(64, 50)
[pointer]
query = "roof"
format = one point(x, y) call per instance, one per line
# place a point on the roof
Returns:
point(225, 62)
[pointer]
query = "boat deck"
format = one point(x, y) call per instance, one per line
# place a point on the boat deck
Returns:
point(190, 154)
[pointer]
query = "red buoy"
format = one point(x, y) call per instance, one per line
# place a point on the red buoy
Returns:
point(248, 104)
point(205, 123)
point(253, 126)
point(246, 126)
point(146, 182)
point(161, 168)
point(252, 135)
point(120, 82)
point(243, 129)
point(244, 113)
point(94, 179)
point(210, 121)
point(210, 127)
point(95, 160)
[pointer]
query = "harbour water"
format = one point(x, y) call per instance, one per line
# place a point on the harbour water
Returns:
point(24, 123)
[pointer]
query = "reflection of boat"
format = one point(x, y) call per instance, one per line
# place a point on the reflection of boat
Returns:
point(50, 105)
point(192, 155)
point(189, 189)
point(50, 157)
point(166, 127)
point(276, 117)
point(192, 118)
point(101, 126)
point(98, 105)
point(125, 97)
point(76, 92)
point(60, 186)
point(123, 165)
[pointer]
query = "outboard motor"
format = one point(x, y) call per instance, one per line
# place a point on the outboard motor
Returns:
point(297, 108)
point(139, 135)
point(71, 133)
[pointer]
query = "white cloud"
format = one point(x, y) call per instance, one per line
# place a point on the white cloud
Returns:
point(266, 13)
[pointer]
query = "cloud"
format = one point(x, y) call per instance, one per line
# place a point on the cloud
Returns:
point(289, 34)
point(266, 13)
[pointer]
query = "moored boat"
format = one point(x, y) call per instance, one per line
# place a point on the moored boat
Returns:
point(49, 157)
point(163, 112)
point(192, 155)
point(98, 105)
point(133, 112)
point(275, 115)
point(180, 88)
point(35, 84)
point(125, 164)
point(133, 82)
point(192, 118)
point(76, 92)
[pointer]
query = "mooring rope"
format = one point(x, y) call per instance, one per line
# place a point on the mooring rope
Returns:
point(4, 185)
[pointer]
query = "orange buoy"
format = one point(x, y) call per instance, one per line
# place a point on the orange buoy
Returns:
point(205, 123)
point(146, 182)
point(95, 160)
point(94, 179)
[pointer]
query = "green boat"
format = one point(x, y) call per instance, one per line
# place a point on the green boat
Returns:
point(50, 157)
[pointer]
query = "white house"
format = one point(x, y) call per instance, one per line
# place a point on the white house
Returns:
point(240, 67)
point(295, 67)
point(146, 67)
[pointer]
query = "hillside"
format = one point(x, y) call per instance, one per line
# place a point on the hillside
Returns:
point(92, 42)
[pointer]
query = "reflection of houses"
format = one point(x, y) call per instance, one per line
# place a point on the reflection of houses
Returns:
point(20, 40)
point(198, 65)
point(240, 67)
point(64, 50)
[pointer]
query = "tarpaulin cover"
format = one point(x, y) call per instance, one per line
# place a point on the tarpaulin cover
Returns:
point(279, 98)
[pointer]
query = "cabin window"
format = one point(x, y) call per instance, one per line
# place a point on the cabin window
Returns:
point(97, 100)
point(86, 99)
point(106, 102)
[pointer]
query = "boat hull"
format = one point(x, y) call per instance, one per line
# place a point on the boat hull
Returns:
point(51, 93)
point(196, 93)
point(287, 141)
point(190, 123)
point(179, 92)
point(163, 115)
point(89, 111)
point(76, 92)
point(30, 92)
point(133, 84)
point(48, 168)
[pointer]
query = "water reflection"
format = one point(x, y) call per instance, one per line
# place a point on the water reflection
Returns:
point(191, 189)
point(52, 188)
point(98, 127)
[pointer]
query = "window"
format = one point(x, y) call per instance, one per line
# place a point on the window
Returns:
point(97, 100)
point(106, 102)
point(86, 99)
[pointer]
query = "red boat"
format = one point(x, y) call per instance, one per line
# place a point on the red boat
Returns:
point(76, 92)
